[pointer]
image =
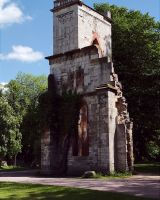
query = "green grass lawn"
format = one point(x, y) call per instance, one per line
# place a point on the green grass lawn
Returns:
point(153, 168)
point(14, 191)
point(12, 168)
point(111, 176)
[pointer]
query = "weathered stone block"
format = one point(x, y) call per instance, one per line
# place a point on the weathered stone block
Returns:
point(89, 174)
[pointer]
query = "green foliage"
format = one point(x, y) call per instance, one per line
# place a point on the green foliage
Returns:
point(17, 191)
point(10, 136)
point(153, 150)
point(24, 91)
point(23, 94)
point(148, 167)
point(59, 114)
point(11, 168)
point(136, 56)
point(113, 175)
point(69, 112)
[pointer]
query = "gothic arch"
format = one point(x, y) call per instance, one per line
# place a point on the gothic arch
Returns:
point(96, 42)
point(81, 142)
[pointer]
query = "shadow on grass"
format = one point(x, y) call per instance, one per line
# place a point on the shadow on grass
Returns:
point(13, 191)
point(149, 168)
point(19, 173)
point(12, 168)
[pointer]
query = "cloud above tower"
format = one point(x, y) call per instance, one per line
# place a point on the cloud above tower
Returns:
point(23, 54)
point(11, 13)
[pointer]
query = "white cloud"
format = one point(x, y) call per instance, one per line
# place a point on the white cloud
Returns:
point(3, 83)
point(10, 13)
point(23, 54)
point(3, 87)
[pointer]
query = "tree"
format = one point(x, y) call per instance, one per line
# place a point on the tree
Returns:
point(10, 137)
point(24, 91)
point(23, 94)
point(136, 56)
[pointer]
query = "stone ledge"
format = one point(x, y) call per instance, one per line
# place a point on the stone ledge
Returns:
point(71, 2)
point(107, 87)
point(70, 53)
point(86, 50)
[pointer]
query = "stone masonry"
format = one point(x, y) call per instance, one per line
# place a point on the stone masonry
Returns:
point(82, 62)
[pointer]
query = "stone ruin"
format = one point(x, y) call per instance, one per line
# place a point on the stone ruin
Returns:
point(82, 63)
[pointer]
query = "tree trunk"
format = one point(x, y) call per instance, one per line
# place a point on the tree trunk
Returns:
point(15, 160)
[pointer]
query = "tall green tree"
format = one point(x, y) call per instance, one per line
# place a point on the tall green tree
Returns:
point(136, 57)
point(23, 94)
point(10, 136)
point(24, 91)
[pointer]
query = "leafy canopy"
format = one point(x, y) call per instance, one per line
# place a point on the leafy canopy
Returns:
point(20, 116)
point(136, 57)
point(10, 136)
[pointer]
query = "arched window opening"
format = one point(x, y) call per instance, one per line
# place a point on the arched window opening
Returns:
point(81, 142)
point(95, 42)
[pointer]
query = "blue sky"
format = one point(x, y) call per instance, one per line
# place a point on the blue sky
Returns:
point(26, 33)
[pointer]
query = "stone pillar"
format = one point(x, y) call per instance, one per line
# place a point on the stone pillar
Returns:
point(107, 127)
point(121, 148)
point(112, 113)
point(130, 157)
point(102, 132)
point(45, 152)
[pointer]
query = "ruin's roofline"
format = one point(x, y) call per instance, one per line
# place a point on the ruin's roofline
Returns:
point(68, 53)
point(80, 3)
point(84, 50)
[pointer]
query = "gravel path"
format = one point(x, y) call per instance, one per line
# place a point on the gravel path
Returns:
point(139, 185)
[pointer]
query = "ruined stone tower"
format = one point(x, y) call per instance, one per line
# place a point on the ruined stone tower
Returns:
point(82, 62)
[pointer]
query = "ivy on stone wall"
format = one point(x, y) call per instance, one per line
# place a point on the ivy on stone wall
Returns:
point(59, 114)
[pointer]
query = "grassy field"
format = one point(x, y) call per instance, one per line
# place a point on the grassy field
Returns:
point(12, 168)
point(153, 168)
point(14, 191)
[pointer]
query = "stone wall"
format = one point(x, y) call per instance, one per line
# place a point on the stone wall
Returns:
point(70, 25)
point(85, 72)
point(82, 63)
point(95, 71)
point(112, 113)
point(93, 26)
point(79, 164)
point(45, 152)
point(98, 158)
point(65, 29)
